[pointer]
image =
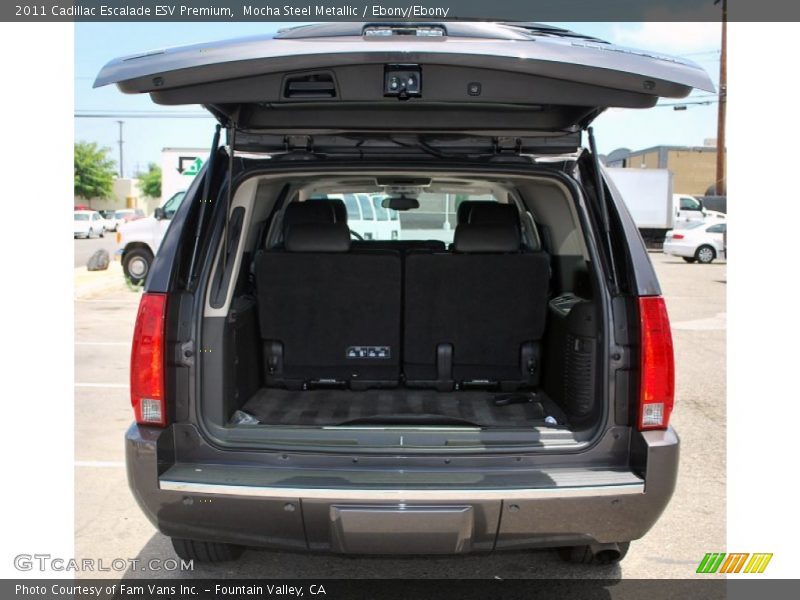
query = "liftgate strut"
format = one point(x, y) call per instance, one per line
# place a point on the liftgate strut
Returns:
point(204, 200)
point(603, 201)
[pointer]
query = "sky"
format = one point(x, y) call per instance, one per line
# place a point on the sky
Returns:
point(97, 43)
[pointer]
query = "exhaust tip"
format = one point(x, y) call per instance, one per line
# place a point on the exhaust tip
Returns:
point(605, 554)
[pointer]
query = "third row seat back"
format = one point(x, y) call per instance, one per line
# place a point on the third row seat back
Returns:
point(328, 316)
point(475, 317)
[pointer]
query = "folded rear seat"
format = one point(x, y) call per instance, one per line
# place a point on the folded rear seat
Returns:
point(328, 316)
point(402, 246)
point(475, 317)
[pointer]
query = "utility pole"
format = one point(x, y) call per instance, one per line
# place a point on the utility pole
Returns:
point(723, 93)
point(121, 170)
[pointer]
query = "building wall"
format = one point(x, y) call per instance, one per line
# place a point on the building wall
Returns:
point(694, 171)
point(125, 194)
point(649, 160)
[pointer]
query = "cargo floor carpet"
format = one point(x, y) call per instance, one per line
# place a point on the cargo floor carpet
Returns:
point(399, 406)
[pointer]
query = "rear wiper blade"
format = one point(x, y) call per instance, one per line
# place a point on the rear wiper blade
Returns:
point(409, 419)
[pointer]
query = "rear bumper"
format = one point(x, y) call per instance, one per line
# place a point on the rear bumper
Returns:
point(351, 513)
point(679, 249)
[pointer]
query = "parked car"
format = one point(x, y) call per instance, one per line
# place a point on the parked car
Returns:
point(699, 242)
point(124, 215)
point(88, 223)
point(138, 240)
point(108, 219)
point(296, 387)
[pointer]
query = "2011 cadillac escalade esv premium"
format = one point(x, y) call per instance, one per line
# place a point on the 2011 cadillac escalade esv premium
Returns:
point(497, 375)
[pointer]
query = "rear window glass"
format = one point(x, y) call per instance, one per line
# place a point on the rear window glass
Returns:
point(81, 217)
point(366, 209)
point(435, 219)
point(351, 204)
point(380, 212)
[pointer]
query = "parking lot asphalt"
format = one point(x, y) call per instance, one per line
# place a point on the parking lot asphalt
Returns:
point(109, 524)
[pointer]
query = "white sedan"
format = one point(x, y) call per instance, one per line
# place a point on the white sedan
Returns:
point(701, 242)
point(89, 223)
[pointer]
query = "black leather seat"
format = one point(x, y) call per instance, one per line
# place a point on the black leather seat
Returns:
point(475, 316)
point(328, 316)
point(402, 246)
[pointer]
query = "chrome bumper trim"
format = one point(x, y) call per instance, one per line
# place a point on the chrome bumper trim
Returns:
point(398, 495)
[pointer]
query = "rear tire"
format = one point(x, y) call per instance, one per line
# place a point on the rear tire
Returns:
point(689, 259)
point(136, 265)
point(583, 555)
point(705, 254)
point(206, 552)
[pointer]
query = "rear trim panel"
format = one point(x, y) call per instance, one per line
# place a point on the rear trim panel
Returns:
point(251, 481)
point(571, 509)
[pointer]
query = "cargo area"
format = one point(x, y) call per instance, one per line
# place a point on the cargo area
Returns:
point(469, 306)
point(400, 406)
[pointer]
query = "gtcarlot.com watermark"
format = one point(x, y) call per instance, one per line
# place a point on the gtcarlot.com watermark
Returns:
point(47, 562)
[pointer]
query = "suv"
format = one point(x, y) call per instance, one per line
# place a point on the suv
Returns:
point(296, 388)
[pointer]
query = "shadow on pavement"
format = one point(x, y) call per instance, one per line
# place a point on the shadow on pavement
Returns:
point(260, 563)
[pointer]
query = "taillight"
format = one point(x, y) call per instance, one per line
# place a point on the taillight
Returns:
point(657, 388)
point(677, 236)
point(147, 361)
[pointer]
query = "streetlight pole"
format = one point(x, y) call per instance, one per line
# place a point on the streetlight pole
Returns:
point(121, 169)
point(723, 93)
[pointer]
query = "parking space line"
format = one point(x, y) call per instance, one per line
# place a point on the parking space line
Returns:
point(101, 385)
point(102, 464)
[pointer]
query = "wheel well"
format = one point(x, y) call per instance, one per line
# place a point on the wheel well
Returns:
point(137, 246)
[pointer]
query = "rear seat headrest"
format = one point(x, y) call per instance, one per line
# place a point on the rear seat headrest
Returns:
point(491, 237)
point(339, 209)
point(305, 213)
point(492, 213)
point(465, 209)
point(317, 237)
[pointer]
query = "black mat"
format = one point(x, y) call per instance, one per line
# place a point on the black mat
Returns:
point(336, 407)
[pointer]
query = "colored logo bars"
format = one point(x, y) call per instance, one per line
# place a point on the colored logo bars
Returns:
point(720, 562)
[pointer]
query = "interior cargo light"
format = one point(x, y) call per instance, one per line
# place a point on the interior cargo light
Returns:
point(657, 367)
point(147, 361)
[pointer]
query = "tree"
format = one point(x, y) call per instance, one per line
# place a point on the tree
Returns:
point(150, 182)
point(94, 171)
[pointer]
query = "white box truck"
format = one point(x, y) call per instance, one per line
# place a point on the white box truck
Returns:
point(653, 206)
